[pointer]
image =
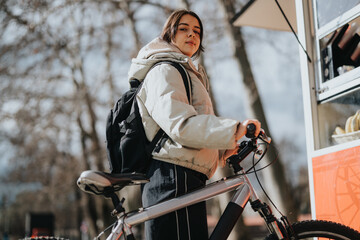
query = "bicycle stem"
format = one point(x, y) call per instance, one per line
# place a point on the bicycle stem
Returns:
point(245, 149)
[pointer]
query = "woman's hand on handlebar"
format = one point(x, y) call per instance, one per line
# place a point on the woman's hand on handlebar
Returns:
point(229, 152)
point(244, 126)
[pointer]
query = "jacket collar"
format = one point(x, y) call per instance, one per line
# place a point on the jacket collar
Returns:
point(155, 51)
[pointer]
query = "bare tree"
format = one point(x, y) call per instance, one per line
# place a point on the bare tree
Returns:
point(55, 86)
point(277, 178)
point(56, 99)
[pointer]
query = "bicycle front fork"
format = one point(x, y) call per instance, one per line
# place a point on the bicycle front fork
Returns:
point(273, 224)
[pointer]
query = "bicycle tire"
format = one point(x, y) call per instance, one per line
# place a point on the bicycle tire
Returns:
point(319, 228)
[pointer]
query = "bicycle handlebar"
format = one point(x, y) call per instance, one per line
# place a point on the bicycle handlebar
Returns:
point(250, 133)
point(246, 147)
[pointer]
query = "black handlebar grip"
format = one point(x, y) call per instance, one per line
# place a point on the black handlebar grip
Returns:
point(250, 130)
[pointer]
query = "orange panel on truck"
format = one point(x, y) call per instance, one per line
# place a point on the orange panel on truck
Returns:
point(337, 187)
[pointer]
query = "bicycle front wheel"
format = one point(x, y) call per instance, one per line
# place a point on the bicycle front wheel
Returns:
point(324, 229)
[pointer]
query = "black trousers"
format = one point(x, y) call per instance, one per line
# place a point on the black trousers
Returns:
point(168, 181)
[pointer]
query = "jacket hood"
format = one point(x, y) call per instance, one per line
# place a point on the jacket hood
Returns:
point(155, 51)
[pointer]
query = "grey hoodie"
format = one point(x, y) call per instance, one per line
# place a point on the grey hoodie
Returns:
point(196, 134)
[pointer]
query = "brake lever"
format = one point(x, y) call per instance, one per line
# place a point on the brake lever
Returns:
point(264, 137)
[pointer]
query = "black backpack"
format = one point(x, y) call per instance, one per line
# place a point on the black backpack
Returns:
point(128, 149)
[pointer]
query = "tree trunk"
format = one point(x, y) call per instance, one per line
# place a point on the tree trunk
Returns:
point(275, 179)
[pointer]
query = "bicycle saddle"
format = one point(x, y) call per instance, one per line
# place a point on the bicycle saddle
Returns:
point(102, 183)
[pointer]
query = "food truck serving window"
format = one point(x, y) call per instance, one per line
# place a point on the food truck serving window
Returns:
point(337, 66)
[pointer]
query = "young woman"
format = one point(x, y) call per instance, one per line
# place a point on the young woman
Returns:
point(198, 140)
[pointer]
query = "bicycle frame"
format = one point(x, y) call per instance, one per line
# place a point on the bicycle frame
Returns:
point(244, 193)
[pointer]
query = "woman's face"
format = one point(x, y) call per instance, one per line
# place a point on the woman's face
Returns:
point(187, 37)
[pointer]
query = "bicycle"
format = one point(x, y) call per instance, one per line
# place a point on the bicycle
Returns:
point(102, 183)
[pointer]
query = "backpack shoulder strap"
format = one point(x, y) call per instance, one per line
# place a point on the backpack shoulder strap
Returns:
point(186, 79)
point(187, 82)
point(184, 74)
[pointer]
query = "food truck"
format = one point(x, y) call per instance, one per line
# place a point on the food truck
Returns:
point(329, 46)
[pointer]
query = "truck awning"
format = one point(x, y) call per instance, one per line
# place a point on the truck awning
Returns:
point(267, 14)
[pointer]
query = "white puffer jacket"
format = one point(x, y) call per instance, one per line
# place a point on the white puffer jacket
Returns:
point(196, 134)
